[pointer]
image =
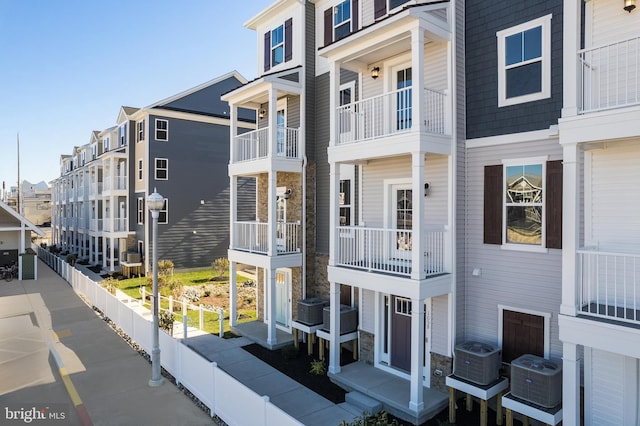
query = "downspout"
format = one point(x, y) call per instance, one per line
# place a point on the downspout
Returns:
point(454, 160)
point(304, 226)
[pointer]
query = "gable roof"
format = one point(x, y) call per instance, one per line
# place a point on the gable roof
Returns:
point(7, 212)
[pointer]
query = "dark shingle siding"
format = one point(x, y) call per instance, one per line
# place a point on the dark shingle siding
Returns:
point(483, 20)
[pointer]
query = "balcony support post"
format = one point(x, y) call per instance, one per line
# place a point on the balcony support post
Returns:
point(233, 130)
point(417, 65)
point(571, 384)
point(334, 328)
point(334, 96)
point(271, 285)
point(571, 45)
point(271, 214)
point(570, 285)
point(418, 246)
point(233, 210)
point(273, 122)
point(334, 216)
point(233, 290)
point(416, 401)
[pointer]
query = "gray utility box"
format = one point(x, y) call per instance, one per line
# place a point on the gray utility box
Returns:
point(310, 310)
point(477, 362)
point(537, 380)
point(348, 319)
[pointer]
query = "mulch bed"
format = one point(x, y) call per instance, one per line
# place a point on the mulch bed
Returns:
point(298, 368)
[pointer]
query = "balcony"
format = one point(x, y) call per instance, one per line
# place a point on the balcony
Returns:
point(95, 189)
point(96, 225)
point(254, 237)
point(609, 285)
point(389, 114)
point(117, 183)
point(609, 76)
point(390, 250)
point(255, 145)
point(119, 225)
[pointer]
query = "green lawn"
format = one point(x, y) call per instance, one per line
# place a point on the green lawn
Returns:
point(131, 287)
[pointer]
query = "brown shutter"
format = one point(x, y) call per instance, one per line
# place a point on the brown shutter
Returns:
point(354, 16)
point(267, 51)
point(493, 204)
point(288, 39)
point(328, 26)
point(380, 8)
point(553, 204)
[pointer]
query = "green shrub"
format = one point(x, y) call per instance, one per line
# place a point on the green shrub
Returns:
point(318, 367)
point(380, 419)
point(165, 321)
point(220, 266)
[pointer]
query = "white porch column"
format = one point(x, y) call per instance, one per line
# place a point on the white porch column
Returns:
point(112, 243)
point(417, 83)
point(91, 239)
point(233, 290)
point(334, 326)
point(334, 214)
point(270, 274)
point(417, 199)
point(571, 45)
point(416, 402)
point(570, 384)
point(334, 96)
point(272, 250)
point(569, 228)
point(104, 252)
point(273, 122)
point(233, 130)
point(233, 210)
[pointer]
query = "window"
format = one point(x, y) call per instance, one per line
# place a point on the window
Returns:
point(345, 202)
point(380, 6)
point(140, 210)
point(82, 158)
point(523, 204)
point(278, 46)
point(105, 144)
point(342, 20)
point(162, 130)
point(140, 130)
point(163, 217)
point(122, 135)
point(524, 64)
point(140, 168)
point(94, 151)
point(162, 169)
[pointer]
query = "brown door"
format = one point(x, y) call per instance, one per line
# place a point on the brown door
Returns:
point(521, 334)
point(401, 333)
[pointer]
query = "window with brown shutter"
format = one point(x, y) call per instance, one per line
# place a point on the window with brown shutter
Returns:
point(288, 39)
point(267, 51)
point(380, 8)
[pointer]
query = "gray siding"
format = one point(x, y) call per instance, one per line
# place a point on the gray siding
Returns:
point(198, 156)
point(322, 163)
point(483, 20)
point(460, 170)
point(310, 80)
point(517, 279)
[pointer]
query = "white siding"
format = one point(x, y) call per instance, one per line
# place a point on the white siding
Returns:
point(368, 310)
point(615, 197)
point(373, 188)
point(609, 23)
point(520, 280)
point(611, 389)
point(440, 325)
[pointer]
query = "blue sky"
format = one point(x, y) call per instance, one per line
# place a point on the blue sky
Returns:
point(67, 66)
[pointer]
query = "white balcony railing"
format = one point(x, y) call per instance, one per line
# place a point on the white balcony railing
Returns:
point(119, 225)
point(254, 145)
point(390, 250)
point(254, 237)
point(388, 114)
point(95, 188)
point(609, 285)
point(115, 183)
point(610, 76)
point(96, 224)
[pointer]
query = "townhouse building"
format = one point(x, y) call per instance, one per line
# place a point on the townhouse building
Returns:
point(176, 146)
point(600, 142)
point(355, 159)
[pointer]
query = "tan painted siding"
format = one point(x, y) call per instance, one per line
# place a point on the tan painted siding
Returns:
point(440, 325)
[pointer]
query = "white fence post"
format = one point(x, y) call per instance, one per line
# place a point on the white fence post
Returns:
point(185, 318)
point(171, 304)
point(221, 319)
point(143, 291)
point(201, 318)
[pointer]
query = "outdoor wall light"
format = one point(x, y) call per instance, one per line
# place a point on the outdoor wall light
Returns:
point(375, 72)
point(629, 5)
point(426, 189)
point(287, 194)
point(261, 113)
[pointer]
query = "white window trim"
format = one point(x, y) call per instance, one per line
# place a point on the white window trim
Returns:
point(140, 213)
point(281, 44)
point(122, 135)
point(155, 173)
point(166, 202)
point(166, 130)
point(140, 131)
point(547, 324)
point(517, 162)
point(140, 169)
point(545, 23)
point(350, 20)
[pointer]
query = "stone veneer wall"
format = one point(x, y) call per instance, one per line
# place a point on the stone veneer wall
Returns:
point(444, 364)
point(296, 292)
point(367, 347)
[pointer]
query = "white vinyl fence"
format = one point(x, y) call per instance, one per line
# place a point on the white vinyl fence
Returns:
point(223, 395)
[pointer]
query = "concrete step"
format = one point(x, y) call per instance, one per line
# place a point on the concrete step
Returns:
point(351, 409)
point(363, 402)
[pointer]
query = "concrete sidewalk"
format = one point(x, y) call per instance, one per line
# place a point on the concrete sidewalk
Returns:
point(59, 359)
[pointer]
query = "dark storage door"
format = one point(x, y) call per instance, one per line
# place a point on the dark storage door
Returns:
point(401, 333)
point(521, 334)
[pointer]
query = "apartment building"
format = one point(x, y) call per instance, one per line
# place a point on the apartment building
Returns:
point(177, 146)
point(600, 142)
